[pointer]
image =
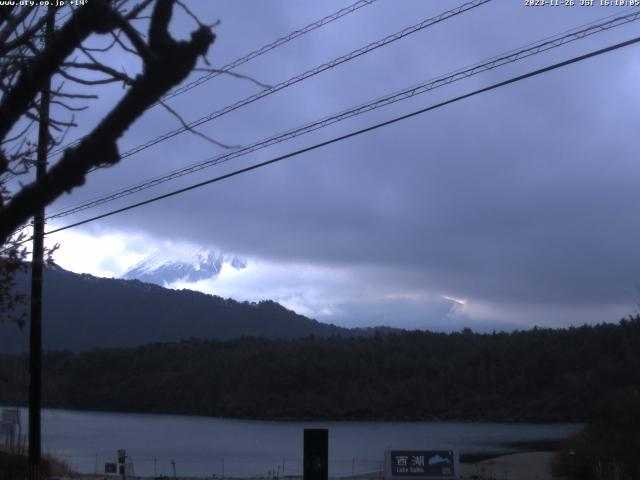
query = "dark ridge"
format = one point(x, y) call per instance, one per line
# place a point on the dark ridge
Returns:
point(82, 312)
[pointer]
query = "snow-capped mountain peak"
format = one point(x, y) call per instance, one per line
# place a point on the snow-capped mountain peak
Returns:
point(170, 266)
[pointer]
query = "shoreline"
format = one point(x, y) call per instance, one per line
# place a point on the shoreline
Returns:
point(317, 419)
point(516, 466)
point(513, 465)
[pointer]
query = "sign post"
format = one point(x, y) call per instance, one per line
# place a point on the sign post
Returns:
point(122, 456)
point(422, 464)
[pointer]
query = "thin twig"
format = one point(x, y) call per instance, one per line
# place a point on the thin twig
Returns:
point(74, 95)
point(101, 49)
point(190, 13)
point(69, 107)
point(118, 76)
point(236, 75)
point(82, 81)
point(133, 14)
point(192, 130)
point(125, 47)
point(11, 139)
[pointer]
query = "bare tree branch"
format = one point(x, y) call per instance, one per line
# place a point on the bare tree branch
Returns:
point(84, 81)
point(68, 107)
point(74, 95)
point(135, 11)
point(116, 75)
point(23, 37)
point(124, 46)
point(101, 49)
point(93, 17)
point(12, 24)
point(27, 62)
point(132, 34)
point(168, 63)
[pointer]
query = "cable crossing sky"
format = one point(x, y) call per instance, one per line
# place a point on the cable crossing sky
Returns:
point(494, 62)
point(357, 132)
point(308, 74)
point(250, 56)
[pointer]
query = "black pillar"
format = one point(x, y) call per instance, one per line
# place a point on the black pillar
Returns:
point(316, 454)
point(35, 339)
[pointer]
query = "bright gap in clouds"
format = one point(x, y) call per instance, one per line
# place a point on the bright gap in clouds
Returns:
point(458, 301)
point(353, 297)
point(102, 255)
point(350, 296)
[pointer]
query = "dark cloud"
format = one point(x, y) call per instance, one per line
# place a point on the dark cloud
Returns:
point(525, 196)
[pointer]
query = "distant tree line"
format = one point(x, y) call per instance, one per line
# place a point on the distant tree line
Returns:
point(541, 375)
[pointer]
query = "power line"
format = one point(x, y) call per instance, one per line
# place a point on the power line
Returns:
point(494, 62)
point(354, 54)
point(256, 53)
point(355, 133)
point(250, 56)
point(308, 74)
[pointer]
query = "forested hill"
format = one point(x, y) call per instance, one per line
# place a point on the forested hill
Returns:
point(536, 375)
point(83, 312)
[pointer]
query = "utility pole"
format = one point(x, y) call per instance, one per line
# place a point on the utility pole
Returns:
point(35, 339)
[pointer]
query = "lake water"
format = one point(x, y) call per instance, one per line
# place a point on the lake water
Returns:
point(202, 446)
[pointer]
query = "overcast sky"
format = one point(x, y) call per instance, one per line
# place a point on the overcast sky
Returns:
point(515, 208)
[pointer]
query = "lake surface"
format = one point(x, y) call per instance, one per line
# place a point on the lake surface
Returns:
point(202, 446)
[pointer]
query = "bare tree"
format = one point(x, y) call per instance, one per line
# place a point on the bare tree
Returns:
point(71, 58)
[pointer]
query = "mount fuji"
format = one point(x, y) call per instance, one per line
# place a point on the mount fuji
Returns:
point(164, 268)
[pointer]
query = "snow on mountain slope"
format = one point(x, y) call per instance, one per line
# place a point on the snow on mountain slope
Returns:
point(166, 267)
